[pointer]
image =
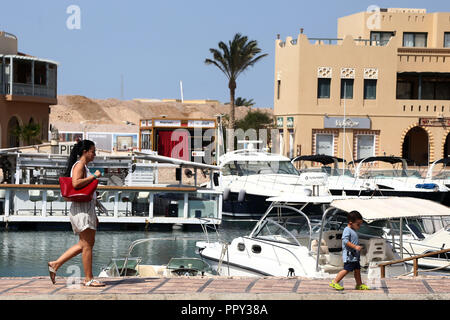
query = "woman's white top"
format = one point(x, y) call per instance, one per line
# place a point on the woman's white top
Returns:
point(82, 214)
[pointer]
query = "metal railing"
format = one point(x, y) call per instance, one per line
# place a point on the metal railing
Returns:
point(415, 262)
point(24, 89)
point(333, 41)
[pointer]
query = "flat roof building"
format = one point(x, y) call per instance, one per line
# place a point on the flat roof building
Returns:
point(28, 86)
point(387, 74)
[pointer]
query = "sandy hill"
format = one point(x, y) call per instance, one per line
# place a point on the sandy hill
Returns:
point(72, 110)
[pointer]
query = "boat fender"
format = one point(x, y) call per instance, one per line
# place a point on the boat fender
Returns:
point(241, 196)
point(308, 192)
point(226, 193)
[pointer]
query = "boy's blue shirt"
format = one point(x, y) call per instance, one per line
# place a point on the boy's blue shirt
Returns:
point(349, 254)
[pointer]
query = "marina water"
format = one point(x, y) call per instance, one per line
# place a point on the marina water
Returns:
point(26, 253)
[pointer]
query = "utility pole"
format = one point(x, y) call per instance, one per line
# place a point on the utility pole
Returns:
point(181, 89)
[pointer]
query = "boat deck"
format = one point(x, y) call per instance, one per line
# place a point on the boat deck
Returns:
point(220, 288)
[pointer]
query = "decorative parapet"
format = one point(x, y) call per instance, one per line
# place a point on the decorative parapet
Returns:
point(324, 72)
point(371, 73)
point(347, 73)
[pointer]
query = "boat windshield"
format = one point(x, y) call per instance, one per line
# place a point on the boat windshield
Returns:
point(292, 230)
point(246, 168)
point(328, 170)
point(442, 175)
point(393, 173)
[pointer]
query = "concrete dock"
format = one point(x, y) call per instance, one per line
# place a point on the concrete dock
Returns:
point(221, 288)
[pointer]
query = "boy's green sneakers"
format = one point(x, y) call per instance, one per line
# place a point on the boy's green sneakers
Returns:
point(336, 286)
point(362, 287)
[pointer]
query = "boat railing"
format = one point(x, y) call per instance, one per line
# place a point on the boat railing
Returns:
point(273, 183)
point(415, 261)
point(206, 225)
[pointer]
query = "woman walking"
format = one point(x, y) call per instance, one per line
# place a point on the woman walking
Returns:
point(82, 214)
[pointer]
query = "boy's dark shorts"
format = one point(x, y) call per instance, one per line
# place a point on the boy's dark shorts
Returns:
point(350, 266)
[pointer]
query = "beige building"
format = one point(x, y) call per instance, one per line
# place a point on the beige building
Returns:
point(27, 89)
point(387, 71)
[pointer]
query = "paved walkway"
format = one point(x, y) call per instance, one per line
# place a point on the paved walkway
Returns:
point(220, 288)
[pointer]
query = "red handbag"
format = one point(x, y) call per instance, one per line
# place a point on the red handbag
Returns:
point(69, 193)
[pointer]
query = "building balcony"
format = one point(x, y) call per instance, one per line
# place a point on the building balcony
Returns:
point(25, 78)
point(30, 90)
point(424, 108)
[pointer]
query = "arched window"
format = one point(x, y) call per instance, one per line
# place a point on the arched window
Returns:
point(416, 146)
point(13, 138)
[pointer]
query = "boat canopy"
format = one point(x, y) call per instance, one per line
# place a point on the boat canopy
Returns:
point(391, 160)
point(321, 158)
point(384, 208)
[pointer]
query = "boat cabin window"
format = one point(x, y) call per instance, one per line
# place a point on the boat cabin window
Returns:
point(246, 168)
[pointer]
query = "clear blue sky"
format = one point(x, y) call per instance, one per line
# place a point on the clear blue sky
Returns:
point(155, 44)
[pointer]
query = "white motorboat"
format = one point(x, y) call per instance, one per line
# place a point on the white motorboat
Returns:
point(282, 244)
point(421, 236)
point(249, 176)
point(370, 181)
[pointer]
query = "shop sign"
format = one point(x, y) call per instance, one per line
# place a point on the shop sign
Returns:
point(201, 124)
point(434, 122)
point(280, 122)
point(290, 122)
point(167, 123)
point(349, 123)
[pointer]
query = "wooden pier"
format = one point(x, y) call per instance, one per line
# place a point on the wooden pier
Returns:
point(224, 288)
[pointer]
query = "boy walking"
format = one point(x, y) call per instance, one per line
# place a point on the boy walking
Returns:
point(350, 252)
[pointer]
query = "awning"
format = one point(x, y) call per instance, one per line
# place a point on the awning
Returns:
point(31, 58)
point(383, 208)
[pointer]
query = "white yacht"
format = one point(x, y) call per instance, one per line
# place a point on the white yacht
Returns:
point(421, 236)
point(249, 176)
point(440, 176)
point(283, 245)
point(367, 180)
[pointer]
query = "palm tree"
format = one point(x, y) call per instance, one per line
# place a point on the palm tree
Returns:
point(232, 60)
point(255, 120)
point(244, 102)
point(28, 132)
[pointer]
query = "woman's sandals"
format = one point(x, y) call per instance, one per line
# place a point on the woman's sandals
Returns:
point(94, 283)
